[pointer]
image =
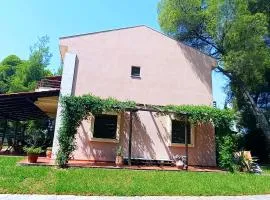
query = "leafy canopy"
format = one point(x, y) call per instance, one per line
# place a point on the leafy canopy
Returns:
point(236, 33)
point(21, 75)
point(226, 30)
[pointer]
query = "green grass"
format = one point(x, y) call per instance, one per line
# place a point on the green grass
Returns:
point(266, 169)
point(85, 181)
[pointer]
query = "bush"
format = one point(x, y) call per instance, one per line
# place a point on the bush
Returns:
point(227, 143)
point(226, 149)
point(37, 134)
point(33, 150)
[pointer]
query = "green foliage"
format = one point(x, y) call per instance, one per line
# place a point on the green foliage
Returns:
point(17, 75)
point(75, 109)
point(33, 150)
point(8, 67)
point(226, 147)
point(226, 30)
point(236, 33)
point(59, 71)
point(37, 134)
point(204, 114)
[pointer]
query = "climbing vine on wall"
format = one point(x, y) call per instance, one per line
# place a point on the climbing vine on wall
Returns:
point(74, 110)
point(77, 108)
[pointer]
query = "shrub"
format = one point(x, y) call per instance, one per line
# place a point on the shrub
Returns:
point(33, 150)
point(37, 134)
point(226, 149)
point(227, 142)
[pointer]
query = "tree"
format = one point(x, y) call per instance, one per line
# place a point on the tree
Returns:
point(233, 34)
point(59, 71)
point(34, 69)
point(8, 67)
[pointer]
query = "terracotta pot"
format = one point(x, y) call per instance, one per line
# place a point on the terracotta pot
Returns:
point(119, 161)
point(32, 158)
point(49, 153)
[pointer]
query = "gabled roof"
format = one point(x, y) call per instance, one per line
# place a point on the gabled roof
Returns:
point(133, 27)
point(91, 33)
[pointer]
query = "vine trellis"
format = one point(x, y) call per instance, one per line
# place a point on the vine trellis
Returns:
point(77, 108)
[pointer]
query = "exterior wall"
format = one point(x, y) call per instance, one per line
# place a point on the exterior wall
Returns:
point(171, 73)
point(151, 139)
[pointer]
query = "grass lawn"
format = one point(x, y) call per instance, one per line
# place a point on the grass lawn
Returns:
point(83, 181)
point(266, 169)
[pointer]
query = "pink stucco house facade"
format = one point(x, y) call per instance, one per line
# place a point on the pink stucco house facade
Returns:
point(146, 66)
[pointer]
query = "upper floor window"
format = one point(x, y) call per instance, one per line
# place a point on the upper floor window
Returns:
point(135, 72)
point(178, 132)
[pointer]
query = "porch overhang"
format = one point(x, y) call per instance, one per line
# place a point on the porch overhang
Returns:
point(28, 105)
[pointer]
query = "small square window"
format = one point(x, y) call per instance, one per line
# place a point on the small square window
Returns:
point(105, 126)
point(178, 132)
point(135, 71)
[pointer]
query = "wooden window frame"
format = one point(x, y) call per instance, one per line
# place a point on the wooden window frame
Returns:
point(95, 139)
point(192, 134)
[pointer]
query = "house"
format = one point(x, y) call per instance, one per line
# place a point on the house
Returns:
point(148, 67)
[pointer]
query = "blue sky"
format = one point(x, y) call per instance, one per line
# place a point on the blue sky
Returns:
point(22, 22)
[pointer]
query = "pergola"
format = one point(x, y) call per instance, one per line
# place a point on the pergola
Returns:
point(21, 106)
point(157, 109)
point(25, 106)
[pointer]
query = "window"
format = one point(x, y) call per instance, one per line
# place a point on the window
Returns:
point(178, 132)
point(135, 71)
point(105, 126)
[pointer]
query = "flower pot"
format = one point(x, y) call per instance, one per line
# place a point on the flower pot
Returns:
point(179, 164)
point(119, 161)
point(49, 153)
point(32, 158)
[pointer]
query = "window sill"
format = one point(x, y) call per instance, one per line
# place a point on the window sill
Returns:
point(180, 145)
point(135, 77)
point(104, 140)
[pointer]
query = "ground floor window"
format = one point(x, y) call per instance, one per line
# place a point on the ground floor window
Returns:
point(105, 126)
point(178, 132)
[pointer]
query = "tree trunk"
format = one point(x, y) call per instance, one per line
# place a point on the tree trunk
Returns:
point(261, 119)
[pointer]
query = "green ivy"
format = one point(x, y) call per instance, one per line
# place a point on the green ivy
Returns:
point(74, 110)
point(203, 114)
point(77, 108)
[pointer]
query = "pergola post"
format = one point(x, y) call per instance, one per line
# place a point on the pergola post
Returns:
point(130, 138)
point(186, 142)
point(15, 133)
point(4, 131)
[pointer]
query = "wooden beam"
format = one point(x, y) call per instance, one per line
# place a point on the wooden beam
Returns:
point(130, 138)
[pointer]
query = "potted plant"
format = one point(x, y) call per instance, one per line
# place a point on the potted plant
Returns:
point(180, 161)
point(49, 152)
point(32, 153)
point(119, 156)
